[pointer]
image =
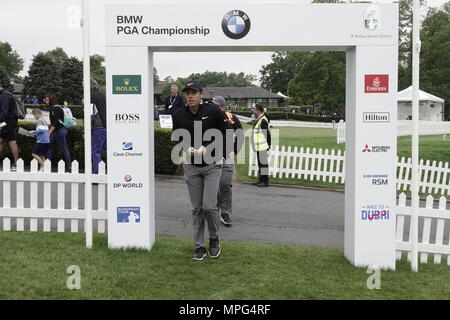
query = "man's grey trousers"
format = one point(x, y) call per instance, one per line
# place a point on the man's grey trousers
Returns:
point(203, 186)
point(224, 198)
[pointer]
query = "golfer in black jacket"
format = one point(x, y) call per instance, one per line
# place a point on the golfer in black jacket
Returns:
point(203, 166)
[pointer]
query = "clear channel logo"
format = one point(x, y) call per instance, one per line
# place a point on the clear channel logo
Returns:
point(127, 150)
point(236, 24)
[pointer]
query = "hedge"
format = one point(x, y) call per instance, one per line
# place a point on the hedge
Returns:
point(75, 141)
point(293, 116)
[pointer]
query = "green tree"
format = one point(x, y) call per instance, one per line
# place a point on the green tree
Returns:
point(405, 42)
point(10, 61)
point(320, 79)
point(220, 79)
point(43, 77)
point(276, 75)
point(71, 80)
point(98, 70)
point(435, 53)
point(155, 75)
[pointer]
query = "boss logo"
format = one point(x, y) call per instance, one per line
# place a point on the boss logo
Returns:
point(127, 117)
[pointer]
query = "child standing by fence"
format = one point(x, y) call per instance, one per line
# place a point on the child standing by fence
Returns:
point(40, 149)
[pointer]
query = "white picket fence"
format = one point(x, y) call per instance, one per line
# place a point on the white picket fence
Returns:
point(301, 163)
point(432, 219)
point(27, 198)
point(328, 166)
point(404, 128)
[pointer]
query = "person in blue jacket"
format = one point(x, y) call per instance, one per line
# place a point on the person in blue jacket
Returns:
point(40, 149)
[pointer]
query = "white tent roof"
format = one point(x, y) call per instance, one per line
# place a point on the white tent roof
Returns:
point(282, 95)
point(406, 95)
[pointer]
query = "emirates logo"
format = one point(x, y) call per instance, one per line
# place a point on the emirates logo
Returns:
point(376, 82)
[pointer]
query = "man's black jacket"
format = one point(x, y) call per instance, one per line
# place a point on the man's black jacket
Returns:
point(209, 116)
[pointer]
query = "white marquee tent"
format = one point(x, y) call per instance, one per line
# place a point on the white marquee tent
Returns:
point(431, 108)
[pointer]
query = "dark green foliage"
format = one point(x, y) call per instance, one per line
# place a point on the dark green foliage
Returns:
point(71, 80)
point(75, 141)
point(163, 149)
point(10, 61)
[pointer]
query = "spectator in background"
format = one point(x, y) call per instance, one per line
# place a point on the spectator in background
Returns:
point(34, 100)
point(174, 101)
point(98, 99)
point(224, 198)
point(57, 132)
point(261, 142)
point(156, 114)
point(8, 121)
point(40, 149)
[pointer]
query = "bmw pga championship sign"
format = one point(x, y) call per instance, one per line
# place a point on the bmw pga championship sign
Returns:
point(368, 35)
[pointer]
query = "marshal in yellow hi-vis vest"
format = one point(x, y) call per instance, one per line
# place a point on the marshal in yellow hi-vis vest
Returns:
point(259, 139)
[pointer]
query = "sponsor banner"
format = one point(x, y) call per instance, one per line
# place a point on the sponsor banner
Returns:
point(128, 150)
point(127, 84)
point(236, 24)
point(249, 24)
point(376, 148)
point(127, 118)
point(128, 183)
point(377, 179)
point(377, 212)
point(376, 117)
point(376, 83)
point(128, 215)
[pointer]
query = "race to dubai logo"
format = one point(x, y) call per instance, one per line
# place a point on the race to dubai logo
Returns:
point(372, 16)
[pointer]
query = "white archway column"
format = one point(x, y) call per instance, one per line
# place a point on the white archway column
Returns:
point(371, 155)
point(131, 190)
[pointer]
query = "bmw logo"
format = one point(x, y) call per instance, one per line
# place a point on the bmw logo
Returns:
point(236, 24)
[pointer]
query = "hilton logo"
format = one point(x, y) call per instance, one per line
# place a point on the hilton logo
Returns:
point(376, 117)
point(127, 84)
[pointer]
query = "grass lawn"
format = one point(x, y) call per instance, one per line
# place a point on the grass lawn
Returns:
point(431, 147)
point(34, 267)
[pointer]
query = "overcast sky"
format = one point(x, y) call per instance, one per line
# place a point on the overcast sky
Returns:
point(31, 26)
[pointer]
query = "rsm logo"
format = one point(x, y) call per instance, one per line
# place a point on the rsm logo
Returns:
point(377, 179)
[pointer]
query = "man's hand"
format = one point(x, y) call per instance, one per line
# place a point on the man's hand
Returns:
point(190, 150)
point(231, 155)
point(201, 150)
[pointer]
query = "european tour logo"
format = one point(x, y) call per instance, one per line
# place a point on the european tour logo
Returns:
point(127, 84)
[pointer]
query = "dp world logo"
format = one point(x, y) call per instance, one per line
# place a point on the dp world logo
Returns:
point(236, 24)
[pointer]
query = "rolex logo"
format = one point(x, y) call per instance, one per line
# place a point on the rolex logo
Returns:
point(127, 84)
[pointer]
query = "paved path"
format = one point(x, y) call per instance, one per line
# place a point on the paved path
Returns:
point(270, 215)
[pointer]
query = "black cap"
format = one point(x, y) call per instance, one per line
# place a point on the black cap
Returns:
point(194, 86)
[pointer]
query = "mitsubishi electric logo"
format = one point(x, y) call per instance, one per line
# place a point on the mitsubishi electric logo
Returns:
point(236, 24)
